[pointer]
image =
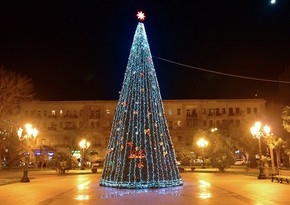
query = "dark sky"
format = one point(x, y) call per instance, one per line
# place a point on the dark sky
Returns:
point(78, 50)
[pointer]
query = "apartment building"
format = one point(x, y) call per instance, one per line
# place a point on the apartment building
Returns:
point(63, 124)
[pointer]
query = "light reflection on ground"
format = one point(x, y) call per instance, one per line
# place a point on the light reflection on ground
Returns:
point(81, 189)
point(204, 192)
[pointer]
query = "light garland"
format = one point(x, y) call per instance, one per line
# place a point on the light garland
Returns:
point(140, 152)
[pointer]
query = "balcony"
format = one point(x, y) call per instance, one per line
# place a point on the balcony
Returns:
point(193, 115)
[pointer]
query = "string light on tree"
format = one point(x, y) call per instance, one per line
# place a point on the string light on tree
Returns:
point(140, 152)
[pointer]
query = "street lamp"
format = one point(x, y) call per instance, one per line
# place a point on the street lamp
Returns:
point(202, 143)
point(257, 133)
point(29, 134)
point(84, 144)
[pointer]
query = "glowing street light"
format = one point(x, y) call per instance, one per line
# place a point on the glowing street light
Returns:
point(84, 145)
point(258, 132)
point(202, 143)
point(28, 134)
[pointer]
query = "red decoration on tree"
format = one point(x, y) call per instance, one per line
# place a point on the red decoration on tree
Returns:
point(140, 165)
point(124, 104)
point(136, 155)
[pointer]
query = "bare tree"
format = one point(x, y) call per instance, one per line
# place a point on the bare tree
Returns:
point(275, 143)
point(14, 90)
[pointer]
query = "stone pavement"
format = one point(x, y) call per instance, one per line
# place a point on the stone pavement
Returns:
point(199, 188)
point(13, 176)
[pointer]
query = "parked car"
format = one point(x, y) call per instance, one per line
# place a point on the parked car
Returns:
point(197, 162)
point(240, 162)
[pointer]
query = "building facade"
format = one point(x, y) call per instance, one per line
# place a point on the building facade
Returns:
point(63, 124)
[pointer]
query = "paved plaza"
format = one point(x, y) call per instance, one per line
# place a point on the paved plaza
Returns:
point(82, 187)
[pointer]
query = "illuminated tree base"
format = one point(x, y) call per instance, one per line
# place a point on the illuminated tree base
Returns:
point(141, 185)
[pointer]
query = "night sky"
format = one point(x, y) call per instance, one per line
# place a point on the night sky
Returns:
point(78, 50)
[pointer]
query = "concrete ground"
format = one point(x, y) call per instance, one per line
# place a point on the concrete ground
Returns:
point(200, 187)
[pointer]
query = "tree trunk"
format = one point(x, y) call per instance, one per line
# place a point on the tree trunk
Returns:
point(272, 160)
point(278, 158)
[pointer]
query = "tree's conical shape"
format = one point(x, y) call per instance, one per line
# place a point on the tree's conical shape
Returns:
point(140, 152)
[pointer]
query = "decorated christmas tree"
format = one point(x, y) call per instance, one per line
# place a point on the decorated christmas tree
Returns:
point(140, 152)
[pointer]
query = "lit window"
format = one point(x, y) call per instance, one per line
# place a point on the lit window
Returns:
point(60, 112)
point(170, 111)
point(53, 112)
point(108, 112)
point(178, 123)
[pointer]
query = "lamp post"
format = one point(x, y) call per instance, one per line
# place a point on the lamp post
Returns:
point(258, 132)
point(202, 143)
point(28, 134)
point(84, 145)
